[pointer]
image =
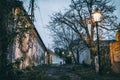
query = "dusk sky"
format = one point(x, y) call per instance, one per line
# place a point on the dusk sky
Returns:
point(45, 8)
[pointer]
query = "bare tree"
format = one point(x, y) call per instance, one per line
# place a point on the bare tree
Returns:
point(63, 37)
point(79, 15)
point(65, 40)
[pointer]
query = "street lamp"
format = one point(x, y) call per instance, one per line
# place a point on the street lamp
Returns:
point(97, 17)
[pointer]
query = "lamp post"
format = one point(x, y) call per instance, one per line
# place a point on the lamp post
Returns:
point(97, 17)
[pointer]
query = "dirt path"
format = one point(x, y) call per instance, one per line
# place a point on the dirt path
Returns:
point(64, 72)
point(55, 72)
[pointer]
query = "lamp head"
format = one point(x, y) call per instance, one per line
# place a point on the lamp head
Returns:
point(97, 15)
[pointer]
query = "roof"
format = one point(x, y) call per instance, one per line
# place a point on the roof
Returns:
point(107, 41)
point(28, 18)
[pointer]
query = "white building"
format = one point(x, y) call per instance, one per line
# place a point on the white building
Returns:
point(85, 56)
point(54, 58)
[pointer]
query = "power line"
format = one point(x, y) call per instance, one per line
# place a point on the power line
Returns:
point(39, 10)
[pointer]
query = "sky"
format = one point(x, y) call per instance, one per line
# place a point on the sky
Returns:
point(117, 12)
point(45, 8)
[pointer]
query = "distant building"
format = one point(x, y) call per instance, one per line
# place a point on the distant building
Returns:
point(54, 58)
point(85, 55)
point(81, 52)
point(115, 53)
point(28, 46)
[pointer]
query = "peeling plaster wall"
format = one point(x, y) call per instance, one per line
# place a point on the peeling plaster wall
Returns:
point(35, 54)
point(32, 49)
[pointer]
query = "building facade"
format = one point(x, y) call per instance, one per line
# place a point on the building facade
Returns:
point(27, 46)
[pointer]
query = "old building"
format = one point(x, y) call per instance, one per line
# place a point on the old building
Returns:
point(27, 46)
point(54, 58)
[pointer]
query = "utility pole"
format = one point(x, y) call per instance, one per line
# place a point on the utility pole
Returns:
point(31, 7)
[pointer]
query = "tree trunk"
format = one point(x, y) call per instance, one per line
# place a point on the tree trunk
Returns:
point(74, 58)
point(78, 57)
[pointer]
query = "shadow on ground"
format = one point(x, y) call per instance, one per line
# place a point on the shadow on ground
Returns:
point(62, 72)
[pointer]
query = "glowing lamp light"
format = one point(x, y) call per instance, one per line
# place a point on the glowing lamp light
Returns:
point(97, 16)
point(17, 11)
